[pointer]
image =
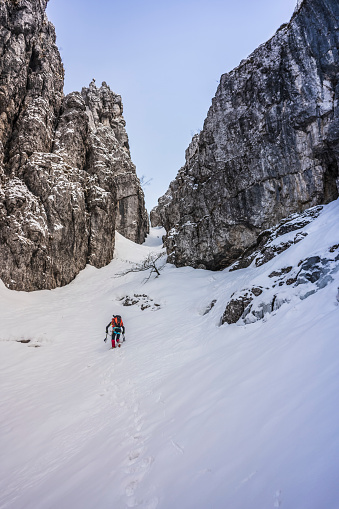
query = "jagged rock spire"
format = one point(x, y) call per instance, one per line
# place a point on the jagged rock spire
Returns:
point(67, 179)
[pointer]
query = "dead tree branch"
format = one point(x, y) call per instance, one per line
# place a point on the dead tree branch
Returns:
point(154, 262)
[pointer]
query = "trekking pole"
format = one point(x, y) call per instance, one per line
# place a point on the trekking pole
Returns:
point(105, 338)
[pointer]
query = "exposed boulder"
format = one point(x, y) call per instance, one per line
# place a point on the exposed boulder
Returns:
point(269, 146)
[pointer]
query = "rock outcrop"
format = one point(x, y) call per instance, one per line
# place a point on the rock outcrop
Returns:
point(269, 146)
point(66, 175)
point(308, 277)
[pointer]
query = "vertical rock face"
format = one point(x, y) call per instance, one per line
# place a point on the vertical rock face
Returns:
point(67, 179)
point(269, 146)
point(110, 157)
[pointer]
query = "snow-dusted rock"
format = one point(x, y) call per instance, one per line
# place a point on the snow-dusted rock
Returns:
point(275, 240)
point(67, 179)
point(300, 281)
point(269, 146)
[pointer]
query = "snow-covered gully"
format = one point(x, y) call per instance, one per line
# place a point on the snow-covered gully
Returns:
point(188, 413)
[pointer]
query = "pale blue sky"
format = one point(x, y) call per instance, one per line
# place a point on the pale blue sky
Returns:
point(165, 59)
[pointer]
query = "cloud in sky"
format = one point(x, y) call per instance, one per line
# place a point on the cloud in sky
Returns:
point(165, 59)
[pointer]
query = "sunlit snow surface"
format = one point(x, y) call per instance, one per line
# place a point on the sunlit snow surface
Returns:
point(187, 414)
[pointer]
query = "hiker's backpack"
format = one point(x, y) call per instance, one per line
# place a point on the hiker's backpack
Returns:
point(117, 320)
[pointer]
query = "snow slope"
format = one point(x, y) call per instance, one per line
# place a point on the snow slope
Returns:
point(187, 414)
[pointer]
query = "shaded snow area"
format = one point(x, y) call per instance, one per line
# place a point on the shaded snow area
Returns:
point(188, 413)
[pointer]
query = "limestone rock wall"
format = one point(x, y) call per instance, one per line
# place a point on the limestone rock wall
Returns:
point(269, 146)
point(66, 177)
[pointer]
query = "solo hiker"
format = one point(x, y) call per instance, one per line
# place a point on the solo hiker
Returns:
point(118, 328)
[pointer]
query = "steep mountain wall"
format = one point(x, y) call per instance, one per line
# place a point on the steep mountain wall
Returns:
point(269, 146)
point(67, 179)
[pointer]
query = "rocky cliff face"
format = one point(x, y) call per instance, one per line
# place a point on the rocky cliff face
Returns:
point(67, 179)
point(269, 146)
